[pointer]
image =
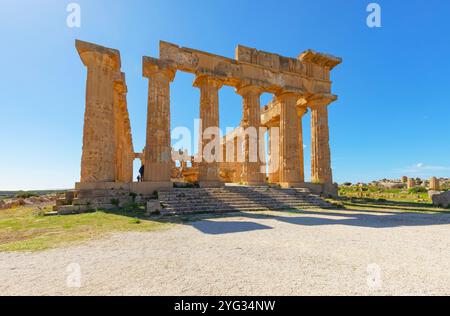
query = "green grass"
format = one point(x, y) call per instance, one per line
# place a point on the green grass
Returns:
point(24, 229)
point(376, 198)
point(376, 193)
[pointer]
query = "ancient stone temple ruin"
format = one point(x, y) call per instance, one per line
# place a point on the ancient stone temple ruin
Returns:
point(298, 85)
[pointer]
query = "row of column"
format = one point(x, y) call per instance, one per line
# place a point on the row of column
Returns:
point(291, 161)
point(157, 154)
point(290, 152)
point(107, 145)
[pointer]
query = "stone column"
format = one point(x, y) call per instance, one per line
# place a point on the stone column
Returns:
point(158, 151)
point(320, 147)
point(209, 114)
point(434, 184)
point(120, 91)
point(274, 156)
point(289, 144)
point(129, 154)
point(251, 118)
point(98, 157)
point(301, 111)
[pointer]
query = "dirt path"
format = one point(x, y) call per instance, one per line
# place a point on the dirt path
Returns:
point(317, 252)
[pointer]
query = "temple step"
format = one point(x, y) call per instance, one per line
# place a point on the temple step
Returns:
point(238, 198)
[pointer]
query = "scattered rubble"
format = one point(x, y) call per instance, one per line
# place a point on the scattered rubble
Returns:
point(30, 201)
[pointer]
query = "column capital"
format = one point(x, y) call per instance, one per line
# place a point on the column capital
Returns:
point(302, 110)
point(283, 95)
point(202, 79)
point(155, 68)
point(249, 89)
point(93, 55)
point(321, 100)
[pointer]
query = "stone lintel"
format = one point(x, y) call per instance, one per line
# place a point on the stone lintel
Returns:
point(270, 113)
point(324, 60)
point(93, 54)
point(257, 57)
point(287, 64)
point(153, 66)
point(235, 73)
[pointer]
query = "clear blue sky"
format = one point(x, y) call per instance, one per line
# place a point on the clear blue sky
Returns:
point(392, 117)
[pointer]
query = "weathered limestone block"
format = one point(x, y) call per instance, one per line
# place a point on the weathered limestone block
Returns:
point(320, 148)
point(309, 63)
point(432, 193)
point(158, 149)
point(209, 171)
point(153, 206)
point(441, 199)
point(99, 148)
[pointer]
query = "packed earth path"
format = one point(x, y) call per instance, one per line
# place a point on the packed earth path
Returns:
point(318, 252)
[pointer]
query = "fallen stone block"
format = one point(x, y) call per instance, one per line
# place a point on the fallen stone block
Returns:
point(442, 199)
point(153, 207)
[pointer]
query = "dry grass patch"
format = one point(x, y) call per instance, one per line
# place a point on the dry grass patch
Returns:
point(25, 229)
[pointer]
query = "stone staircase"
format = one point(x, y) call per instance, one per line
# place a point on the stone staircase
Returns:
point(237, 198)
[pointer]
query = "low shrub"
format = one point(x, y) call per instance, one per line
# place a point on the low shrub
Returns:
point(115, 202)
point(24, 195)
point(135, 221)
point(130, 206)
point(133, 196)
point(416, 190)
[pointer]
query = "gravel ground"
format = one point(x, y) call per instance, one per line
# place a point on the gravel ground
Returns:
point(273, 253)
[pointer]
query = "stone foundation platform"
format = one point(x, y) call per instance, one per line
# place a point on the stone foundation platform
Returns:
point(109, 196)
